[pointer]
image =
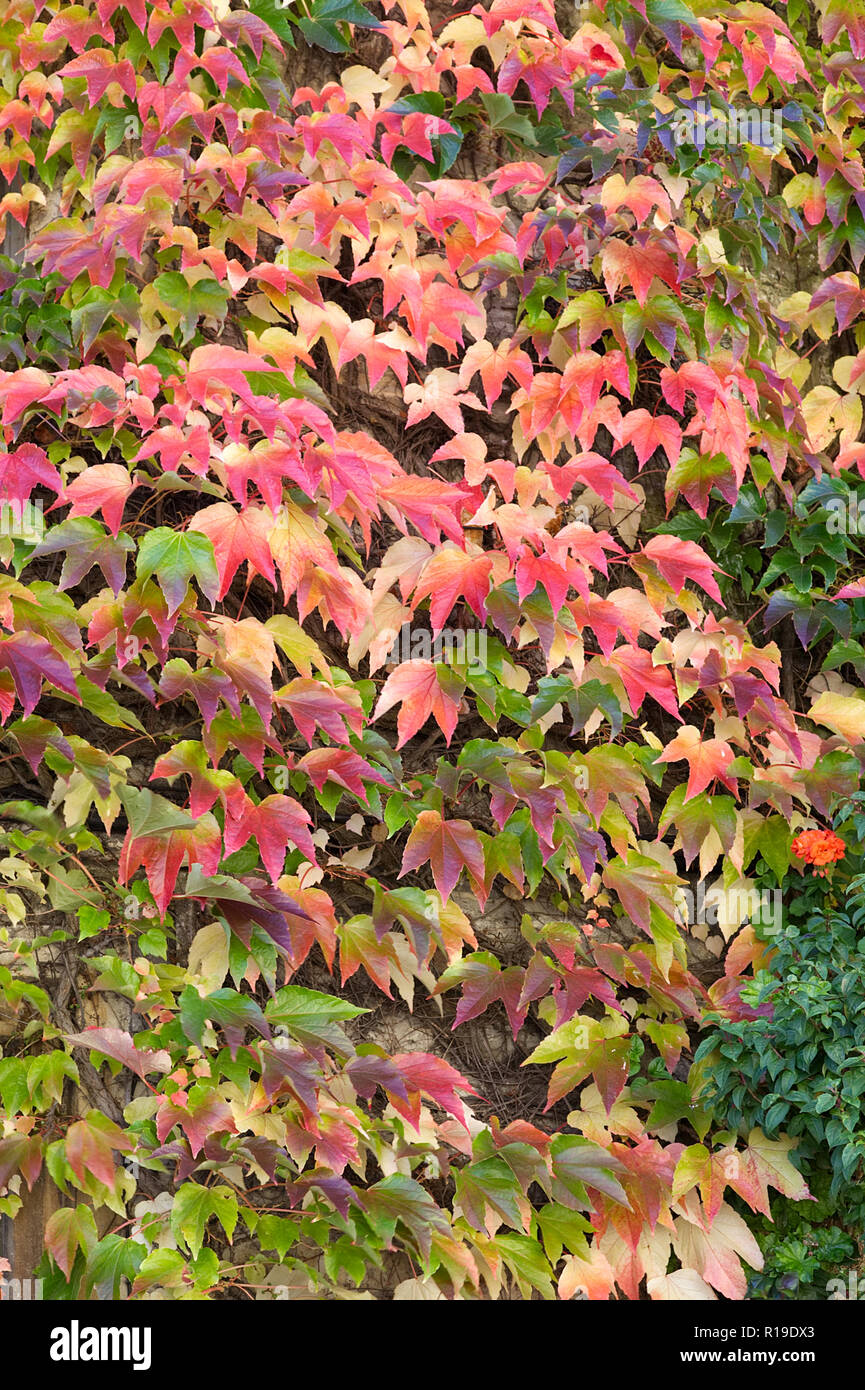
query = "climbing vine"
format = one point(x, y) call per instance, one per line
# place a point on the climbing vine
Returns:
point(428, 492)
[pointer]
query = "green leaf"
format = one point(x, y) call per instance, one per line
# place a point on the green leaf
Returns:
point(14, 1091)
point(193, 1207)
point(67, 1231)
point(161, 1267)
point(204, 298)
point(91, 921)
point(503, 116)
point(578, 1163)
point(114, 1258)
point(348, 11)
point(311, 1017)
point(175, 557)
point(277, 16)
point(276, 1233)
point(153, 943)
point(326, 36)
point(103, 705)
point(232, 1011)
point(399, 1200)
point(774, 843)
point(562, 1229)
point(489, 1183)
point(527, 1263)
point(150, 814)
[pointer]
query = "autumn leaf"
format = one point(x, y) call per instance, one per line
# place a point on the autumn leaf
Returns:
point(30, 660)
point(423, 688)
point(636, 266)
point(119, 1045)
point(66, 1232)
point(678, 560)
point(708, 759)
point(276, 822)
point(483, 983)
point(650, 432)
point(85, 543)
point(312, 704)
point(237, 537)
point(160, 837)
point(716, 1253)
point(765, 1163)
point(88, 1147)
point(451, 573)
point(640, 881)
point(448, 846)
point(342, 766)
point(843, 713)
point(102, 487)
point(424, 1074)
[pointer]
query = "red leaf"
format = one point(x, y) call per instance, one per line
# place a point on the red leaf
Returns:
point(450, 573)
point(641, 678)
point(18, 390)
point(66, 1232)
point(430, 506)
point(275, 822)
point(678, 560)
point(99, 68)
point(200, 1117)
point(449, 846)
point(483, 983)
point(102, 487)
point(708, 759)
point(637, 266)
point(341, 765)
point(30, 660)
point(650, 432)
point(20, 1153)
point(312, 704)
point(359, 944)
point(88, 1147)
point(424, 689)
point(431, 1076)
point(25, 468)
point(237, 537)
point(162, 854)
point(115, 1043)
point(206, 687)
point(590, 470)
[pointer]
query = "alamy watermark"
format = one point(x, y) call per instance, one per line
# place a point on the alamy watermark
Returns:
point(846, 514)
point(77, 1343)
point(22, 521)
point(456, 646)
point(20, 1290)
point(853, 1289)
point(703, 125)
point(763, 907)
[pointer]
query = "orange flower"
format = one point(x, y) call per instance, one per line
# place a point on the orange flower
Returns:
point(818, 848)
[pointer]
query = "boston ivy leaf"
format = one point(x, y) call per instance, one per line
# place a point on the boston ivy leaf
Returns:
point(193, 1207)
point(85, 543)
point(175, 557)
point(232, 1012)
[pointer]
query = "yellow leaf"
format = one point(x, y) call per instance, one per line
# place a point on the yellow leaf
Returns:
point(790, 364)
point(818, 407)
point(208, 956)
point(683, 1285)
point(361, 84)
point(298, 646)
point(843, 713)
